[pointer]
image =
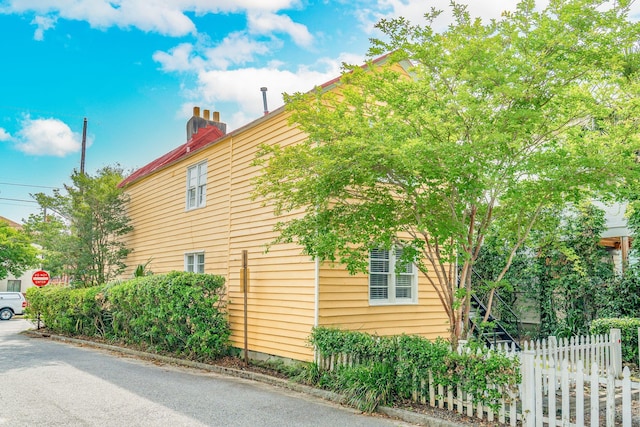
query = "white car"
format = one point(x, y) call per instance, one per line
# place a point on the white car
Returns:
point(11, 303)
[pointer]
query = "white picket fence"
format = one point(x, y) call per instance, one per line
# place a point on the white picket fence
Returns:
point(590, 371)
point(603, 350)
point(567, 397)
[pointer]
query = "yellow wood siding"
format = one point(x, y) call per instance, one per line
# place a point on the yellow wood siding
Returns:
point(344, 303)
point(281, 300)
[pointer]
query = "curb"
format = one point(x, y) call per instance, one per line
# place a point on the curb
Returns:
point(400, 414)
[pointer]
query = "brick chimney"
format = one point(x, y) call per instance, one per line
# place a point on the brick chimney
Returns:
point(197, 122)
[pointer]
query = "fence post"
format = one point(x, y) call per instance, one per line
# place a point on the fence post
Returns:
point(616, 352)
point(528, 388)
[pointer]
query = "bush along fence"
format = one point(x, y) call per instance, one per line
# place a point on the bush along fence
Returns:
point(371, 370)
point(554, 388)
point(179, 313)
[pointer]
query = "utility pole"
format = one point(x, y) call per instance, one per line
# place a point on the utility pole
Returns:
point(84, 145)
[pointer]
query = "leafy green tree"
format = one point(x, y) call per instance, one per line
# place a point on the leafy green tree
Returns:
point(51, 234)
point(495, 123)
point(83, 234)
point(16, 252)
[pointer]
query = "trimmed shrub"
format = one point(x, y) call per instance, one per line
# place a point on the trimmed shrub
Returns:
point(180, 313)
point(628, 334)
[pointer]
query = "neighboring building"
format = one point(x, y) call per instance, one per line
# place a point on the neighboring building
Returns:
point(192, 210)
point(12, 283)
point(617, 238)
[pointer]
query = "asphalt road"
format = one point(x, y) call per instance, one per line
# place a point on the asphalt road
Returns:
point(48, 383)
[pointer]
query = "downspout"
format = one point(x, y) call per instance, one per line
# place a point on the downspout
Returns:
point(316, 307)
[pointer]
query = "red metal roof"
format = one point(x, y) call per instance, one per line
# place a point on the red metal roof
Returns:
point(204, 137)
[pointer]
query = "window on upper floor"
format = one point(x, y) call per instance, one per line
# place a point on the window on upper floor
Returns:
point(197, 186)
point(194, 262)
point(389, 281)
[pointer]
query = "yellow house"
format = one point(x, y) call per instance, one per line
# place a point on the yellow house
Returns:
point(192, 210)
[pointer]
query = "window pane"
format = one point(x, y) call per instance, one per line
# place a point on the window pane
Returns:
point(379, 266)
point(200, 263)
point(13, 285)
point(202, 173)
point(403, 285)
point(403, 292)
point(379, 293)
point(189, 263)
point(379, 261)
point(378, 286)
point(202, 194)
point(191, 201)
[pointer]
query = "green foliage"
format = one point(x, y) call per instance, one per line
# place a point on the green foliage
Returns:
point(66, 310)
point(389, 368)
point(563, 269)
point(16, 252)
point(180, 313)
point(621, 297)
point(81, 234)
point(628, 334)
point(143, 270)
point(495, 123)
point(366, 386)
point(50, 233)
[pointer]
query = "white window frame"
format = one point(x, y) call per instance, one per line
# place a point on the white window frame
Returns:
point(382, 268)
point(196, 194)
point(194, 262)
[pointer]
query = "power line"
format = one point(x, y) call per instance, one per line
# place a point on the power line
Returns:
point(43, 112)
point(18, 200)
point(28, 185)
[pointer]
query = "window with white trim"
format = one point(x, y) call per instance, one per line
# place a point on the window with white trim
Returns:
point(389, 281)
point(194, 262)
point(197, 186)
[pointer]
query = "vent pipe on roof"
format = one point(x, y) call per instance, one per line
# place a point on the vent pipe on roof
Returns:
point(264, 100)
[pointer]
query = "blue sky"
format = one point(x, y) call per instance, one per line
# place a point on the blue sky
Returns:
point(136, 68)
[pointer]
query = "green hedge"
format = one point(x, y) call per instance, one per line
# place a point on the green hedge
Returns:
point(180, 313)
point(628, 334)
point(389, 368)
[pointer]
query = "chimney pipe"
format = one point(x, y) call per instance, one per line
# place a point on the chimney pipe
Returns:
point(216, 116)
point(264, 100)
point(196, 111)
point(206, 114)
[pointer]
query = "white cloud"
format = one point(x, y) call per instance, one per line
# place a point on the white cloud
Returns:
point(180, 58)
point(167, 17)
point(47, 137)
point(43, 23)
point(4, 135)
point(235, 49)
point(267, 22)
point(241, 87)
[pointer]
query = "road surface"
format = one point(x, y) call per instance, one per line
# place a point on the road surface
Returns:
point(48, 383)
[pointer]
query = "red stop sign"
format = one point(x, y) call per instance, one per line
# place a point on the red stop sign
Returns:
point(40, 278)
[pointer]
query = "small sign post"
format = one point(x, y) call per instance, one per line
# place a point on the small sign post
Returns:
point(40, 278)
